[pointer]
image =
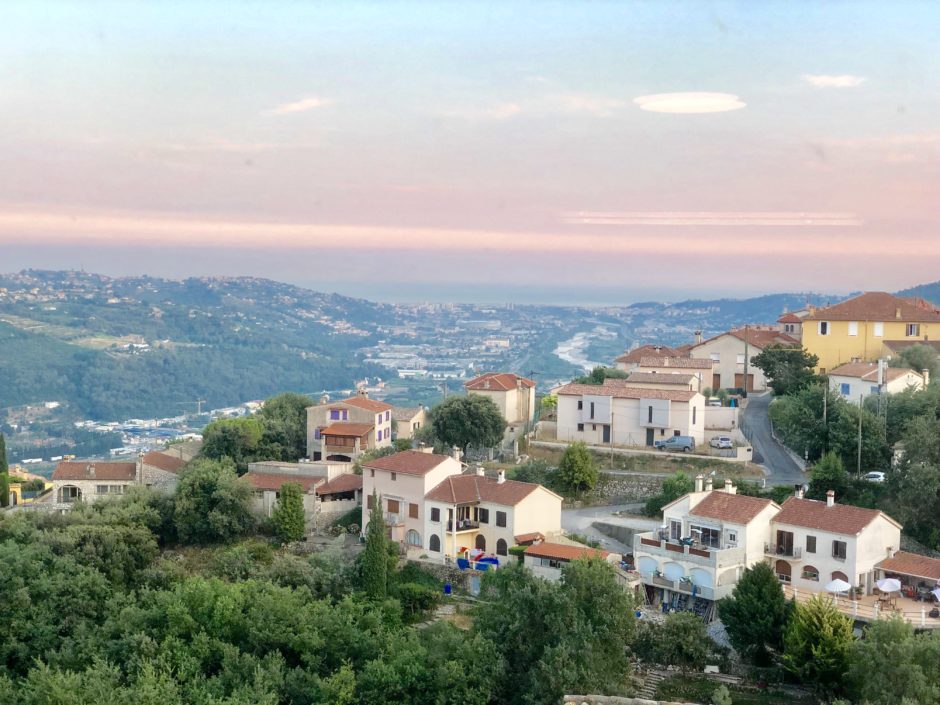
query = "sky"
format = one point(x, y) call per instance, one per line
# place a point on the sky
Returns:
point(579, 152)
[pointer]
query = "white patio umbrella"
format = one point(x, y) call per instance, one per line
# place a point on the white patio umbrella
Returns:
point(936, 592)
point(838, 585)
point(889, 584)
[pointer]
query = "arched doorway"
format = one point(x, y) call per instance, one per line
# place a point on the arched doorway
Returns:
point(501, 548)
point(434, 544)
point(783, 571)
point(481, 542)
point(839, 575)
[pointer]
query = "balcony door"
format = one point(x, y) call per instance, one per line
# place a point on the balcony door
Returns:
point(785, 543)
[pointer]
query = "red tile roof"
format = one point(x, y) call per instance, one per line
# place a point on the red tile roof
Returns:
point(94, 470)
point(789, 318)
point(899, 346)
point(682, 363)
point(498, 382)
point(868, 371)
point(912, 564)
point(838, 519)
point(343, 483)
point(400, 413)
point(368, 404)
point(357, 430)
point(618, 391)
point(467, 489)
point(758, 338)
point(878, 306)
point(564, 552)
point(273, 481)
point(408, 462)
point(529, 537)
point(639, 353)
point(733, 508)
point(162, 461)
point(660, 378)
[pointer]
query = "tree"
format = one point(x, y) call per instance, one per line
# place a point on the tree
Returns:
point(239, 440)
point(549, 406)
point(828, 474)
point(756, 614)
point(918, 358)
point(681, 640)
point(816, 644)
point(915, 484)
point(892, 665)
point(599, 374)
point(212, 504)
point(787, 369)
point(721, 696)
point(284, 418)
point(472, 420)
point(375, 556)
point(288, 517)
point(577, 470)
point(4, 474)
point(674, 487)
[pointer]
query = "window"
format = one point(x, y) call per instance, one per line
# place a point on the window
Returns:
point(502, 549)
point(371, 472)
point(434, 544)
point(580, 426)
point(707, 535)
point(694, 414)
point(369, 502)
point(740, 358)
point(413, 538)
point(316, 434)
point(387, 416)
point(733, 538)
point(116, 489)
point(845, 389)
point(810, 573)
point(483, 516)
point(378, 435)
point(500, 518)
point(345, 414)
point(592, 409)
point(879, 330)
point(394, 476)
point(649, 414)
point(675, 529)
point(101, 489)
point(435, 514)
point(853, 327)
point(550, 563)
point(412, 510)
point(580, 404)
point(913, 329)
point(874, 389)
point(838, 550)
point(811, 544)
point(715, 357)
point(392, 506)
point(823, 327)
point(788, 327)
point(334, 414)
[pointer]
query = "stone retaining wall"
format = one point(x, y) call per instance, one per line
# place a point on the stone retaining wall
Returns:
point(613, 700)
point(629, 487)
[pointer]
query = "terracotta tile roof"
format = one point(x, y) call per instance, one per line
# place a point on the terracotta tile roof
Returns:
point(878, 306)
point(619, 391)
point(273, 481)
point(660, 378)
point(868, 371)
point(899, 346)
point(342, 483)
point(347, 429)
point(467, 489)
point(529, 537)
point(912, 564)
point(838, 519)
point(733, 508)
point(564, 552)
point(368, 404)
point(639, 353)
point(758, 338)
point(94, 470)
point(682, 363)
point(162, 461)
point(789, 318)
point(400, 413)
point(498, 381)
point(408, 462)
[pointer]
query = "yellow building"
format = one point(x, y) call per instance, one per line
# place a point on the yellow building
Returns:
point(857, 329)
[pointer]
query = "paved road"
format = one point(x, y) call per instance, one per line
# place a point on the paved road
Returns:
point(782, 469)
point(579, 521)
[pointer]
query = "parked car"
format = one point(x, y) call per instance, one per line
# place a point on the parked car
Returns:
point(874, 477)
point(713, 401)
point(721, 442)
point(683, 443)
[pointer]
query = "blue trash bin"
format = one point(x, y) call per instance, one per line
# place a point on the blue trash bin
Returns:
point(447, 588)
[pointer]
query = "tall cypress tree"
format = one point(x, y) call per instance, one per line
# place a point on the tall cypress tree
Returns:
point(4, 474)
point(375, 557)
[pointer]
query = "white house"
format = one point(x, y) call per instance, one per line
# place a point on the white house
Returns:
point(626, 415)
point(707, 539)
point(857, 380)
point(512, 394)
point(700, 368)
point(662, 380)
point(546, 559)
point(631, 359)
point(727, 352)
point(91, 480)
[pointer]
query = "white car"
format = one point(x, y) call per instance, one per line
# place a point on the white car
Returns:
point(874, 477)
point(721, 442)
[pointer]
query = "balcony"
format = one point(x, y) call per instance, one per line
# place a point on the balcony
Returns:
point(464, 525)
point(393, 519)
point(696, 553)
point(783, 551)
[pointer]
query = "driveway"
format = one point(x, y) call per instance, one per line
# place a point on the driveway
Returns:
point(782, 468)
point(579, 521)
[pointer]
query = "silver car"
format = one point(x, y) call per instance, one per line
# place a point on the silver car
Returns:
point(721, 442)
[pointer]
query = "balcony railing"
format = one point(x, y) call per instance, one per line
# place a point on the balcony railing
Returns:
point(465, 525)
point(393, 519)
point(773, 549)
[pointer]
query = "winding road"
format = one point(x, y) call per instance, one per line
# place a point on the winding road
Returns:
point(781, 467)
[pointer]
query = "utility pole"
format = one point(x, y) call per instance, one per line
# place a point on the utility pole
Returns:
point(858, 466)
point(744, 392)
point(825, 417)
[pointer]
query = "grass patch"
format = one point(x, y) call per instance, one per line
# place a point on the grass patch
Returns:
point(660, 463)
point(699, 689)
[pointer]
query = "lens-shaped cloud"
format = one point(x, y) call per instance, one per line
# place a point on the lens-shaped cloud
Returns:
point(689, 102)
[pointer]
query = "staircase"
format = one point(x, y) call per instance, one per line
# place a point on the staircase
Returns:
point(650, 684)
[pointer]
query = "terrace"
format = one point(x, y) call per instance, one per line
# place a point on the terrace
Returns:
point(869, 608)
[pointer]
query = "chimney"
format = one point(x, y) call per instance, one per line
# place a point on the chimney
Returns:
point(361, 392)
point(657, 348)
point(730, 488)
point(897, 313)
point(91, 471)
point(325, 399)
point(424, 448)
point(501, 477)
point(480, 471)
point(798, 491)
point(698, 337)
point(830, 498)
point(699, 483)
point(455, 453)
point(891, 551)
point(708, 484)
